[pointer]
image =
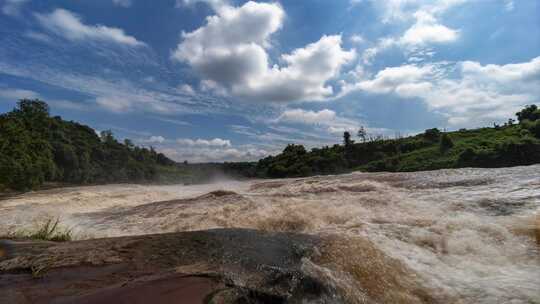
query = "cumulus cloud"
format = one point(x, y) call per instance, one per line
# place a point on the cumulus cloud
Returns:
point(480, 94)
point(426, 30)
point(209, 150)
point(402, 10)
point(69, 25)
point(186, 89)
point(200, 155)
point(155, 139)
point(12, 7)
point(216, 142)
point(230, 52)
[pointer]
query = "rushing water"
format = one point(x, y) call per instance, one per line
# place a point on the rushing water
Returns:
point(467, 235)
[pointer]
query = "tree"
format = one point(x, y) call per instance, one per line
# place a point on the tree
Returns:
point(432, 134)
point(107, 136)
point(530, 113)
point(446, 143)
point(362, 133)
point(347, 142)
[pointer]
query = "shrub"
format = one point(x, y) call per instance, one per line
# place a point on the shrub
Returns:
point(432, 134)
point(532, 126)
point(446, 143)
point(50, 230)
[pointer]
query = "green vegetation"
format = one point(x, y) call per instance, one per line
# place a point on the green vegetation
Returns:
point(50, 230)
point(36, 148)
point(501, 146)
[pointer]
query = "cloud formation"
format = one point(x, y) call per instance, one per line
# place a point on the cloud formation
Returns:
point(478, 95)
point(216, 142)
point(230, 52)
point(426, 30)
point(327, 119)
point(122, 3)
point(69, 25)
point(12, 7)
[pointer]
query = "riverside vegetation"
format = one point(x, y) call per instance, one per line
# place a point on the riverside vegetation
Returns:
point(511, 144)
point(37, 149)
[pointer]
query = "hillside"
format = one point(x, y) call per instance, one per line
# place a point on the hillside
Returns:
point(512, 144)
point(37, 149)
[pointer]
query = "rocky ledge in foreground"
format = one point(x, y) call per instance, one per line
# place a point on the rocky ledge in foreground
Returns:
point(215, 266)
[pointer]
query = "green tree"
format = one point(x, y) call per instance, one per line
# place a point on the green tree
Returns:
point(530, 113)
point(445, 143)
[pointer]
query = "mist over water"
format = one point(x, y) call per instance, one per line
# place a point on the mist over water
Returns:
point(466, 235)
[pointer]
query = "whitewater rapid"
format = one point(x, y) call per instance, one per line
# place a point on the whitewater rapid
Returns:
point(467, 235)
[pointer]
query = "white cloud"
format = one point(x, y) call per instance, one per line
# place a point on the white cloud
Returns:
point(16, 94)
point(215, 4)
point(428, 30)
point(327, 119)
point(402, 10)
point(200, 155)
point(37, 36)
point(479, 95)
point(509, 5)
point(307, 117)
point(114, 103)
point(122, 3)
point(155, 139)
point(12, 7)
point(382, 44)
point(425, 29)
point(230, 52)
point(216, 142)
point(70, 26)
point(186, 89)
point(174, 121)
point(357, 39)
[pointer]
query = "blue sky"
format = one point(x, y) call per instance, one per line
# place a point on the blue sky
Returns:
point(218, 80)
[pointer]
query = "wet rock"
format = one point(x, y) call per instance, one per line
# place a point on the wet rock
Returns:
point(214, 266)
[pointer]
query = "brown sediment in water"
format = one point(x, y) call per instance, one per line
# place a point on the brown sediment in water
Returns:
point(224, 266)
point(529, 227)
point(471, 232)
point(373, 274)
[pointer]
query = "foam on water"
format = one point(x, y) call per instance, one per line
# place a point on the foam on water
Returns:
point(470, 235)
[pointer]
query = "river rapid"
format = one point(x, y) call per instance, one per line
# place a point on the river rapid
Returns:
point(465, 235)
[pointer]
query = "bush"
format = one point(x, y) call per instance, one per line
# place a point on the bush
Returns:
point(532, 126)
point(445, 143)
point(530, 113)
point(432, 134)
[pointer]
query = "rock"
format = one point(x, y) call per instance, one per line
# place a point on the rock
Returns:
point(213, 266)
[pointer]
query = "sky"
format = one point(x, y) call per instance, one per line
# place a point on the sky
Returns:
point(232, 80)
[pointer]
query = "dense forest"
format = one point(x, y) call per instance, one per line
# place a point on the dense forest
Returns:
point(37, 149)
point(511, 144)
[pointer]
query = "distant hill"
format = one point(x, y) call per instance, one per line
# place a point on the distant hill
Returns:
point(512, 144)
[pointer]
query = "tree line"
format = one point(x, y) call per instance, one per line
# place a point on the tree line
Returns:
point(511, 144)
point(36, 148)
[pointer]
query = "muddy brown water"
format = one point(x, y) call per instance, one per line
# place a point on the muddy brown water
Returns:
point(469, 235)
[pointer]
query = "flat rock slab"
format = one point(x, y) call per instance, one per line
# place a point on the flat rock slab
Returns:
point(214, 266)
